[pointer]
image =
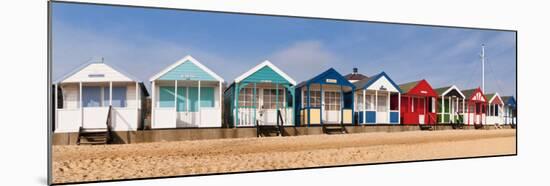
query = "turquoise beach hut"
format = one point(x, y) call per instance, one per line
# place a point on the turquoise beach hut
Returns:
point(255, 97)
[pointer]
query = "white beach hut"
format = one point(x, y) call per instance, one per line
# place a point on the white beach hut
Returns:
point(84, 98)
point(495, 109)
point(198, 100)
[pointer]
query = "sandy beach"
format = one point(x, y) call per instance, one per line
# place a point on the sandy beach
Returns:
point(107, 162)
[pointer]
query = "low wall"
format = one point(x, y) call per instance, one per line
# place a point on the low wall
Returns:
point(163, 135)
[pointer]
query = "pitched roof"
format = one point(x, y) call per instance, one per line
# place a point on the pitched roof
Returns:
point(509, 100)
point(355, 76)
point(330, 73)
point(92, 62)
point(205, 70)
point(405, 87)
point(492, 96)
point(446, 90)
point(468, 93)
point(365, 82)
point(442, 90)
point(260, 66)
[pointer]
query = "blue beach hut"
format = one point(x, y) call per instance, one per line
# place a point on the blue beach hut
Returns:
point(325, 99)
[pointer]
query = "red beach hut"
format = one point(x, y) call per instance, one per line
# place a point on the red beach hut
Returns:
point(418, 103)
point(475, 108)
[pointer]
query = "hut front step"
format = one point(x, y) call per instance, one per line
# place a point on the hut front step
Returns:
point(334, 129)
point(425, 127)
point(95, 136)
point(268, 130)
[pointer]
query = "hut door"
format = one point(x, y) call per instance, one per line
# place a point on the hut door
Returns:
point(331, 107)
point(421, 110)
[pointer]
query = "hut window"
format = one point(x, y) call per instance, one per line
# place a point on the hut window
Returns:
point(166, 96)
point(246, 97)
point(119, 96)
point(270, 98)
point(382, 103)
point(207, 97)
point(370, 102)
point(394, 102)
point(91, 96)
point(332, 100)
point(359, 100)
point(315, 99)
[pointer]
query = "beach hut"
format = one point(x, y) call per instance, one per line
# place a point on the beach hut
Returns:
point(418, 103)
point(98, 97)
point(355, 76)
point(256, 96)
point(186, 94)
point(510, 109)
point(495, 109)
point(377, 100)
point(450, 103)
point(325, 99)
point(475, 107)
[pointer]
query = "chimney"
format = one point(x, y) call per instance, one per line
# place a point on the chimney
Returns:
point(355, 70)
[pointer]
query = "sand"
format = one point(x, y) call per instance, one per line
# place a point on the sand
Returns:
point(108, 162)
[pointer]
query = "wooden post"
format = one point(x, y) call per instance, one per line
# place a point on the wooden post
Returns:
point(110, 93)
point(308, 105)
point(176, 101)
point(375, 106)
point(254, 103)
point(80, 104)
point(153, 103)
point(322, 103)
point(398, 107)
point(237, 91)
point(388, 107)
point(199, 109)
point(55, 93)
point(443, 109)
point(137, 96)
point(276, 99)
point(364, 106)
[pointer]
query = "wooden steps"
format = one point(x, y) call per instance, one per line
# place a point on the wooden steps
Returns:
point(93, 136)
point(425, 127)
point(478, 126)
point(334, 129)
point(268, 130)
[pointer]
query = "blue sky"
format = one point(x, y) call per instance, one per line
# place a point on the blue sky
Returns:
point(144, 41)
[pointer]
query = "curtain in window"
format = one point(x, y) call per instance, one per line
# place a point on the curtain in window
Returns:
point(91, 96)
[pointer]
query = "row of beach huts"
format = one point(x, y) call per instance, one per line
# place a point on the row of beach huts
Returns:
point(187, 94)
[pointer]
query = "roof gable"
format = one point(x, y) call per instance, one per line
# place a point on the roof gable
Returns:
point(443, 91)
point(421, 88)
point(187, 68)
point(475, 95)
point(97, 72)
point(381, 80)
point(509, 100)
point(495, 99)
point(265, 72)
point(329, 76)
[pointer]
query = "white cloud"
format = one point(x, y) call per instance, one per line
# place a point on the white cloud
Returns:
point(141, 56)
point(304, 59)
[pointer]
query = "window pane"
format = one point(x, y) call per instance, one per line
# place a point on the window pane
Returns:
point(182, 99)
point(382, 103)
point(91, 96)
point(207, 97)
point(119, 96)
point(166, 96)
point(193, 97)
